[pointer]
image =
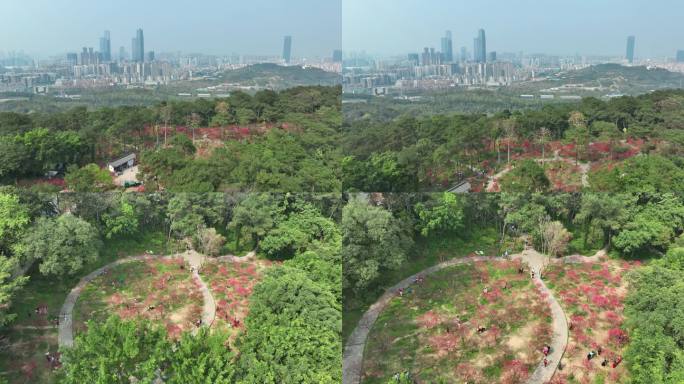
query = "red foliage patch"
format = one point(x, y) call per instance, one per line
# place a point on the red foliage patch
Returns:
point(429, 319)
point(618, 336)
point(174, 330)
point(468, 372)
point(599, 301)
point(28, 369)
point(514, 372)
point(444, 342)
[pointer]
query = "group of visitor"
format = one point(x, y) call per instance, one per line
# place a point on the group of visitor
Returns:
point(604, 363)
point(53, 359)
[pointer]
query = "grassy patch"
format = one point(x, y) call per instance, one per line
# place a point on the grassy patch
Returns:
point(23, 359)
point(431, 330)
point(426, 253)
point(161, 290)
point(231, 284)
point(592, 295)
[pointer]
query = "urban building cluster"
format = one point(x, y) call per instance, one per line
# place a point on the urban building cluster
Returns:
point(447, 68)
point(432, 69)
point(92, 68)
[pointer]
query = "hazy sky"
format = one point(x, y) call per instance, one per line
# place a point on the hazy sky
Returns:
point(532, 26)
point(208, 26)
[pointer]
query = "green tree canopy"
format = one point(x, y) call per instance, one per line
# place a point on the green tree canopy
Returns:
point(294, 332)
point(655, 318)
point(14, 218)
point(442, 215)
point(115, 351)
point(527, 176)
point(373, 241)
point(254, 217)
point(89, 178)
point(9, 284)
point(62, 246)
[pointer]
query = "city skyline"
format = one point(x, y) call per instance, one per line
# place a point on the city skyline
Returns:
point(218, 27)
point(397, 27)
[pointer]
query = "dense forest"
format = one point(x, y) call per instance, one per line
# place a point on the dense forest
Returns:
point(388, 237)
point(296, 140)
point(269, 141)
point(294, 321)
point(631, 135)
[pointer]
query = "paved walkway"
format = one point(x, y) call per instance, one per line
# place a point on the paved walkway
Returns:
point(559, 341)
point(494, 179)
point(352, 363)
point(576, 259)
point(209, 308)
point(232, 258)
point(66, 332)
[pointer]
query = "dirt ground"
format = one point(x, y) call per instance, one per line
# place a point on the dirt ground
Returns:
point(129, 174)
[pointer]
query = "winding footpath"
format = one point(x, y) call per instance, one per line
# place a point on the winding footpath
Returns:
point(559, 341)
point(194, 259)
point(353, 351)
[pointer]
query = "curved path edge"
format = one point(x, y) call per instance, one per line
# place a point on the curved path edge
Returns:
point(352, 363)
point(66, 331)
point(352, 360)
point(559, 326)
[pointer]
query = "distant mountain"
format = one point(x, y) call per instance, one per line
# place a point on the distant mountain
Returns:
point(278, 76)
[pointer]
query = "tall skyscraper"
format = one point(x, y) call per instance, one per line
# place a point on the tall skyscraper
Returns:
point(480, 47)
point(72, 59)
point(680, 56)
point(106, 47)
point(448, 47)
point(630, 49)
point(138, 47)
point(337, 56)
point(414, 59)
point(88, 56)
point(287, 49)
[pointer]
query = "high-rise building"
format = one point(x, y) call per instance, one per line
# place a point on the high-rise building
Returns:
point(491, 56)
point(414, 59)
point(630, 49)
point(134, 49)
point(431, 57)
point(448, 47)
point(680, 56)
point(89, 57)
point(138, 47)
point(480, 47)
point(464, 54)
point(72, 59)
point(106, 47)
point(123, 55)
point(150, 56)
point(287, 49)
point(337, 56)
point(426, 56)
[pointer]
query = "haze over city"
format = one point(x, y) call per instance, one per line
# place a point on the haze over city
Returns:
point(52, 27)
point(389, 27)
